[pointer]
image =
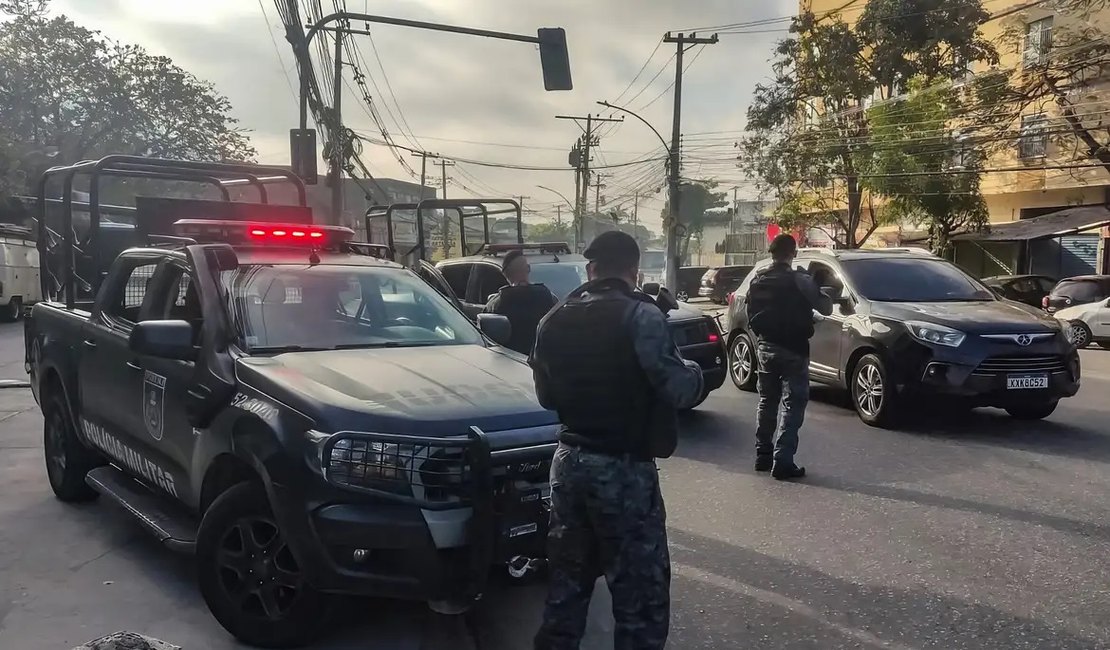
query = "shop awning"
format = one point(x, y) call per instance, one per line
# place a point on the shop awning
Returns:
point(1056, 224)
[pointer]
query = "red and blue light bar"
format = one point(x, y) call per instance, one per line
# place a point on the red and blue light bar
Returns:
point(264, 233)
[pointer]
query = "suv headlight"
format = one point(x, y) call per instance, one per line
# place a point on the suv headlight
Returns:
point(936, 334)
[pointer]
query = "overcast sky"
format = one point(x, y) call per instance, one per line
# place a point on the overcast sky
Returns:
point(450, 87)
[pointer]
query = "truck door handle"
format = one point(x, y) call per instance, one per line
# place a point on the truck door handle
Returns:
point(134, 365)
point(90, 343)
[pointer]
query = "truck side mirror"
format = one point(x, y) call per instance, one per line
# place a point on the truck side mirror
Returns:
point(165, 339)
point(496, 327)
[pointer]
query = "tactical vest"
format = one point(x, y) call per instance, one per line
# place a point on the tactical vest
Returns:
point(778, 311)
point(602, 395)
point(524, 306)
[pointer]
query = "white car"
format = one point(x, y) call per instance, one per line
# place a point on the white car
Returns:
point(1088, 323)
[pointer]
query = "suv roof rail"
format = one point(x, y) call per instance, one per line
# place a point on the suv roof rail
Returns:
point(558, 248)
point(892, 249)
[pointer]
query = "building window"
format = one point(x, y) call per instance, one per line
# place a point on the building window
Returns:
point(1038, 41)
point(1033, 142)
point(961, 151)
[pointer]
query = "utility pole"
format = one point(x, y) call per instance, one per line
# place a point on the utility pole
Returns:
point(636, 215)
point(582, 176)
point(443, 165)
point(597, 192)
point(337, 135)
point(423, 156)
point(683, 42)
point(558, 215)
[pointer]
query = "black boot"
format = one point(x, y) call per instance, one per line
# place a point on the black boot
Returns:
point(782, 472)
point(763, 463)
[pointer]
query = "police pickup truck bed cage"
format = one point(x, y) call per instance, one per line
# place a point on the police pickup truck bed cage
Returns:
point(543, 248)
point(73, 266)
point(464, 208)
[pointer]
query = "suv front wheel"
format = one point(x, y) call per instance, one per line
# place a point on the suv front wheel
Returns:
point(873, 394)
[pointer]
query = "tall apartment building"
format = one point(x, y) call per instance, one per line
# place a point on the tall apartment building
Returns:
point(1073, 240)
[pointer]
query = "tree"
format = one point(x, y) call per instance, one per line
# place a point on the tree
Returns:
point(1057, 91)
point(551, 231)
point(697, 198)
point(68, 94)
point(929, 175)
point(809, 133)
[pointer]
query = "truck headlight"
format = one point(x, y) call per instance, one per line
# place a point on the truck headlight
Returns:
point(936, 334)
point(361, 460)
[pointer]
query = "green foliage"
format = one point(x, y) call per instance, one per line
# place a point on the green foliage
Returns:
point(930, 176)
point(697, 197)
point(68, 94)
point(809, 139)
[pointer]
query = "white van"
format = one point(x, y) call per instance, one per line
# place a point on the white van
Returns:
point(19, 272)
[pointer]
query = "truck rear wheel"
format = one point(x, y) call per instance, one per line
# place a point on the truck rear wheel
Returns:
point(248, 575)
point(67, 459)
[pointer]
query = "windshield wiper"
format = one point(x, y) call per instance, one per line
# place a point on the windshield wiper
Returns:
point(385, 344)
point(277, 349)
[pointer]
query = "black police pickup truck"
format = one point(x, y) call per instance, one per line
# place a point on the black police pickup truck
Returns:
point(306, 419)
point(907, 324)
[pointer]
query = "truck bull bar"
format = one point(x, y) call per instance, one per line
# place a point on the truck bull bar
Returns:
point(440, 474)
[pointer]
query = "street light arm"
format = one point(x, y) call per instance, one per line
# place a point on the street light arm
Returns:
point(666, 147)
point(565, 199)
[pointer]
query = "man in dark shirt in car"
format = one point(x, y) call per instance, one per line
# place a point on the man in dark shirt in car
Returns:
point(780, 305)
point(522, 302)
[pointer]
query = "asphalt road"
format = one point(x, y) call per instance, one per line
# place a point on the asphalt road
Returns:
point(960, 531)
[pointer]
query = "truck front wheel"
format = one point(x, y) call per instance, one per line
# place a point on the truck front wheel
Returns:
point(12, 311)
point(249, 577)
point(67, 460)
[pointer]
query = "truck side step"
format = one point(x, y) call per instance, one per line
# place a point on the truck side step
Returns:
point(171, 525)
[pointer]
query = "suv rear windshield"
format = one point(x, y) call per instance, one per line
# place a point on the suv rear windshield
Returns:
point(324, 307)
point(560, 277)
point(1082, 291)
point(913, 280)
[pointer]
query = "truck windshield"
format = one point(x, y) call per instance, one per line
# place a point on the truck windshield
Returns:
point(560, 277)
point(325, 307)
point(652, 260)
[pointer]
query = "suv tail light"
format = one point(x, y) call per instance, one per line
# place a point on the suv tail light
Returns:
point(728, 297)
point(1044, 302)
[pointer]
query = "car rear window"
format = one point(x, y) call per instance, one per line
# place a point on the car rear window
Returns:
point(1082, 290)
point(561, 278)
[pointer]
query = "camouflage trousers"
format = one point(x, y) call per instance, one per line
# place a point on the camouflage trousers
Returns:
point(607, 518)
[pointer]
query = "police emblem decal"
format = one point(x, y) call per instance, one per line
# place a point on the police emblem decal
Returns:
point(154, 400)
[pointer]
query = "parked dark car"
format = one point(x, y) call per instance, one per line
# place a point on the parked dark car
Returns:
point(1080, 290)
point(1026, 289)
point(718, 282)
point(689, 282)
point(907, 325)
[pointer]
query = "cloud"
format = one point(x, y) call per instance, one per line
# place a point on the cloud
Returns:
point(464, 88)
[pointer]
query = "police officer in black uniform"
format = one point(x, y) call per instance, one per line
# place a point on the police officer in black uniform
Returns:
point(780, 305)
point(605, 361)
point(522, 302)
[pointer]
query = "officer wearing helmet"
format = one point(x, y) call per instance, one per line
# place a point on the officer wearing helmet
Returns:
point(605, 361)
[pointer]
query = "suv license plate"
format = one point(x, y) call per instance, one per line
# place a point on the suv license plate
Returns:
point(1026, 382)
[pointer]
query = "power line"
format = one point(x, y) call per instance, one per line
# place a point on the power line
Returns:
point(277, 50)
